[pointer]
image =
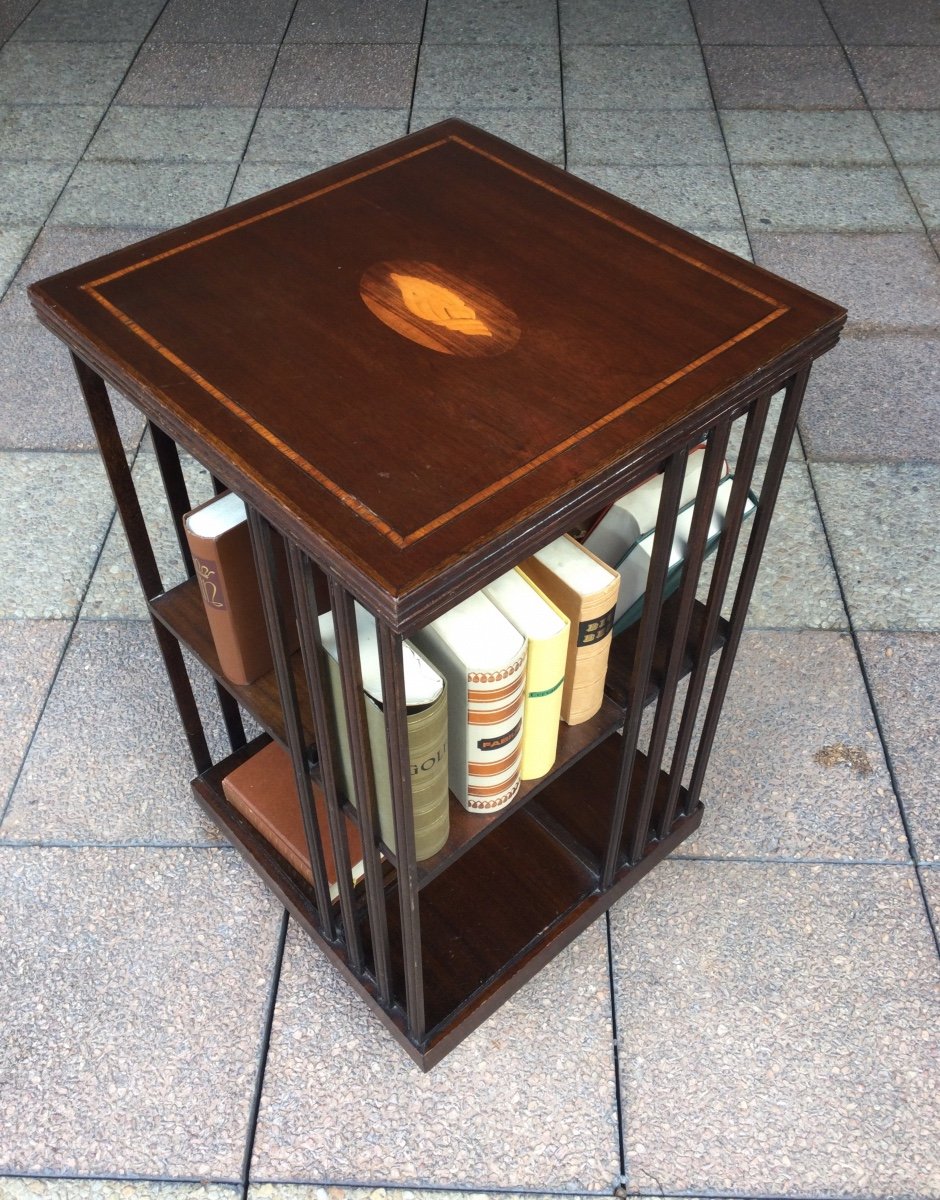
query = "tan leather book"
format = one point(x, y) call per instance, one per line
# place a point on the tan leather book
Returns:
point(585, 589)
point(264, 792)
point(218, 537)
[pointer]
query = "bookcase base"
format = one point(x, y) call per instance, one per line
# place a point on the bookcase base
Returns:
point(545, 860)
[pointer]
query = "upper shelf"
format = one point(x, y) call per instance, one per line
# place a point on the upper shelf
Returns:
point(425, 361)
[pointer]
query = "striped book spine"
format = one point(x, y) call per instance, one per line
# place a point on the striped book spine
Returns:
point(495, 702)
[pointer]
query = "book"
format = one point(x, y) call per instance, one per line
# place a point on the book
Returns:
point(483, 658)
point(624, 538)
point(426, 703)
point(217, 533)
point(545, 628)
point(585, 589)
point(263, 790)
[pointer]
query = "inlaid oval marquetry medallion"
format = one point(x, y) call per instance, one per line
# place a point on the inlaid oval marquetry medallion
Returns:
point(438, 310)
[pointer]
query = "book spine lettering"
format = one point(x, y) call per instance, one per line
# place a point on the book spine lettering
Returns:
point(495, 704)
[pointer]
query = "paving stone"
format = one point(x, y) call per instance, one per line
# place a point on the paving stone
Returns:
point(733, 240)
point(502, 22)
point(366, 21)
point(48, 582)
point(796, 585)
point(790, 77)
point(924, 184)
point(886, 281)
point(904, 672)
point(199, 74)
point(59, 247)
point(541, 1067)
point(875, 398)
point(882, 522)
point(301, 1191)
point(144, 133)
point(803, 1060)
point(322, 135)
point(222, 21)
point(125, 1053)
point(46, 133)
point(869, 22)
point(115, 591)
point(794, 199)
point(626, 22)
point(103, 21)
point(41, 406)
point(691, 197)
point(803, 138)
point(898, 76)
point(28, 191)
point(931, 878)
point(12, 14)
point(256, 177)
point(767, 794)
point(518, 77)
point(62, 72)
point(29, 656)
point(624, 137)
point(914, 137)
point(134, 194)
point(33, 1188)
point(538, 130)
point(635, 77)
point(15, 240)
point(109, 763)
point(753, 23)
point(343, 76)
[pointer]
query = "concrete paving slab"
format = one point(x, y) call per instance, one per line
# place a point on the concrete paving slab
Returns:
point(789, 77)
point(620, 23)
point(690, 197)
point(846, 199)
point(124, 1052)
point(875, 398)
point(343, 76)
point(488, 77)
point(367, 21)
point(526, 1102)
point(778, 1031)
point(882, 522)
point(29, 190)
point(903, 670)
point(898, 76)
point(626, 137)
point(797, 770)
point(256, 177)
point(29, 656)
point(102, 22)
point(143, 133)
point(62, 72)
point(48, 582)
point(886, 281)
point(199, 73)
point(924, 184)
point(104, 767)
point(914, 137)
point(506, 23)
point(822, 139)
point(15, 240)
point(322, 135)
point(46, 133)
point(538, 130)
point(869, 22)
point(142, 193)
point(222, 21)
point(753, 23)
point(653, 77)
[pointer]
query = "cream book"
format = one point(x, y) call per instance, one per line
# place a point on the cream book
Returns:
point(426, 700)
point(545, 628)
point(483, 658)
point(585, 589)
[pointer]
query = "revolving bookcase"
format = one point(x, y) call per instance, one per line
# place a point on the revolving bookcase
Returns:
point(417, 368)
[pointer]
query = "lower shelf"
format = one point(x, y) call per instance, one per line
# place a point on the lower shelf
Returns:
point(496, 916)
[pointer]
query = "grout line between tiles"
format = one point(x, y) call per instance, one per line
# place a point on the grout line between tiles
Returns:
point(721, 129)
point(263, 1054)
point(69, 1176)
point(561, 88)
point(414, 81)
point(790, 861)
point(20, 22)
point(615, 1050)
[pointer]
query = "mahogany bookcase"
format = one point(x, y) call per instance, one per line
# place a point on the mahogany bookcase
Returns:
point(417, 368)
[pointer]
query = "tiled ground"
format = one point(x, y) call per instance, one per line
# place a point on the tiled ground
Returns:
point(760, 1017)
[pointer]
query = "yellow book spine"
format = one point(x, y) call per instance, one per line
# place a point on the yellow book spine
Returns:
point(545, 678)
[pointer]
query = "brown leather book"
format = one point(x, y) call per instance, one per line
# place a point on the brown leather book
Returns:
point(218, 537)
point(264, 792)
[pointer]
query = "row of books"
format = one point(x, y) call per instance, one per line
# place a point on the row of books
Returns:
point(488, 682)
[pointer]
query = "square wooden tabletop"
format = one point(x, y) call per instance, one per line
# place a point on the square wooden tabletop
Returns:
point(423, 362)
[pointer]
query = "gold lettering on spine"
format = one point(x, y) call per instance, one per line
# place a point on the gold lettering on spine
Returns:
point(207, 573)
